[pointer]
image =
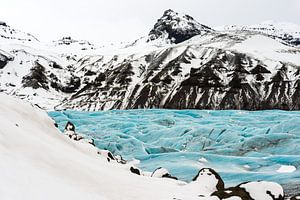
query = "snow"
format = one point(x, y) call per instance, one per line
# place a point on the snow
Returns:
point(257, 190)
point(263, 47)
point(284, 32)
point(204, 160)
point(12, 34)
point(158, 173)
point(286, 169)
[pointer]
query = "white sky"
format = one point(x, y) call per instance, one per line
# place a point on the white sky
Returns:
point(107, 21)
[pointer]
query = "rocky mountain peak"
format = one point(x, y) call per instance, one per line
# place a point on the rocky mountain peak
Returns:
point(176, 27)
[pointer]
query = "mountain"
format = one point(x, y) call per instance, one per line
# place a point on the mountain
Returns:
point(176, 28)
point(216, 71)
point(7, 32)
point(180, 64)
point(37, 72)
point(288, 33)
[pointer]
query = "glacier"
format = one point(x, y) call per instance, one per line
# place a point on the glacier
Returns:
point(240, 145)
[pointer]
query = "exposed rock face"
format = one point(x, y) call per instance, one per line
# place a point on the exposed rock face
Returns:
point(177, 28)
point(37, 78)
point(4, 60)
point(258, 190)
point(71, 85)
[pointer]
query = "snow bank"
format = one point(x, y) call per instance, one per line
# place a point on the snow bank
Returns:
point(37, 162)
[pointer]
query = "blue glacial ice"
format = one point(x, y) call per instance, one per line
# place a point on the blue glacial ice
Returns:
point(240, 145)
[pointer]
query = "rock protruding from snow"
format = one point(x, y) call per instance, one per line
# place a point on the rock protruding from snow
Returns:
point(4, 59)
point(257, 190)
point(136, 170)
point(206, 182)
point(69, 42)
point(2, 23)
point(70, 132)
point(177, 28)
point(162, 173)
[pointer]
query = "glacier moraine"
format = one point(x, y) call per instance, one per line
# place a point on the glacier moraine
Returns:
point(240, 145)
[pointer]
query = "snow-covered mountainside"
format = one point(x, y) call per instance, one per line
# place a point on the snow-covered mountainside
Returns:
point(38, 162)
point(7, 32)
point(40, 73)
point(288, 33)
point(181, 64)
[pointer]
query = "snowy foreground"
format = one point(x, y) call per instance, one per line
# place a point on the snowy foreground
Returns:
point(37, 162)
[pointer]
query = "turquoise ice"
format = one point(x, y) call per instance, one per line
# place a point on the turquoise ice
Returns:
point(240, 145)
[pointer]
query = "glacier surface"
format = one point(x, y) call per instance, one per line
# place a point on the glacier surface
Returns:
point(240, 145)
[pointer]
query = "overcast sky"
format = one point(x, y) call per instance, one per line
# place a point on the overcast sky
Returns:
point(107, 21)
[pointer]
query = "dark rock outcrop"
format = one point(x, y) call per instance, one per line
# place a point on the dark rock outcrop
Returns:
point(3, 23)
point(4, 60)
point(177, 28)
point(257, 190)
point(37, 77)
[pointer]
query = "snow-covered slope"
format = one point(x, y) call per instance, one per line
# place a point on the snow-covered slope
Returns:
point(181, 64)
point(40, 76)
point(69, 43)
point(40, 73)
point(7, 32)
point(286, 32)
